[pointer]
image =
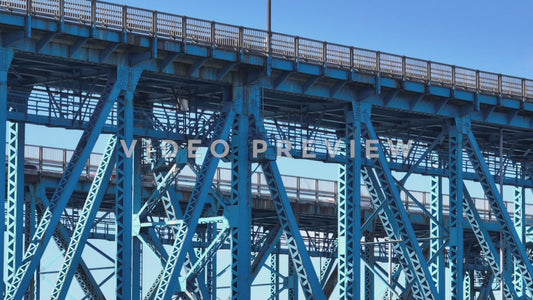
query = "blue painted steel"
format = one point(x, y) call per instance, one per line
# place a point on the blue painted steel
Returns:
point(124, 192)
point(300, 258)
point(328, 266)
point(240, 210)
point(211, 268)
point(492, 256)
point(349, 211)
point(6, 56)
point(437, 267)
point(389, 223)
point(274, 278)
point(173, 211)
point(31, 215)
point(298, 70)
point(292, 284)
point(512, 240)
point(455, 169)
point(87, 216)
point(137, 246)
point(269, 244)
point(186, 230)
point(520, 225)
point(15, 197)
point(52, 215)
point(389, 70)
point(301, 261)
point(418, 263)
point(210, 250)
point(62, 239)
point(369, 256)
point(468, 284)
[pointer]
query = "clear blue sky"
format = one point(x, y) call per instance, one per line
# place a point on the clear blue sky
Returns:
point(489, 35)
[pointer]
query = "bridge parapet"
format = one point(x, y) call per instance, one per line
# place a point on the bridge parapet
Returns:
point(161, 25)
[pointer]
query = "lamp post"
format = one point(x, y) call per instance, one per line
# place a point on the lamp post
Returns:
point(269, 16)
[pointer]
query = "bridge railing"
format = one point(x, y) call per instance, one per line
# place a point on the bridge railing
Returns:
point(306, 190)
point(191, 30)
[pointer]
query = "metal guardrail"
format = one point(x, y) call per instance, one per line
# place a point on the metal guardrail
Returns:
point(300, 189)
point(191, 30)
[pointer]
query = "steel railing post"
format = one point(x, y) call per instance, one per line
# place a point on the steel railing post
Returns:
point(93, 13)
point(184, 29)
point(124, 18)
point(296, 47)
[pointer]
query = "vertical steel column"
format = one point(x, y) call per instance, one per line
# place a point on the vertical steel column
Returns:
point(240, 216)
point(124, 200)
point(437, 267)
point(349, 212)
point(137, 250)
point(370, 258)
point(274, 277)
point(456, 208)
point(520, 225)
point(6, 56)
point(30, 217)
point(293, 281)
point(211, 269)
point(469, 285)
point(15, 198)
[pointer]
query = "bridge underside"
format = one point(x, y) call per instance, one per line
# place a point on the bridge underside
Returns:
point(395, 122)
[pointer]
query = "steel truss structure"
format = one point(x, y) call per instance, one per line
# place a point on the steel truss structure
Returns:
point(143, 77)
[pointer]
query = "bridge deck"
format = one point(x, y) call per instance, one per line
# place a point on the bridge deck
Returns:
point(317, 197)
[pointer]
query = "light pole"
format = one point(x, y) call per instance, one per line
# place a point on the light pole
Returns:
point(269, 16)
point(269, 25)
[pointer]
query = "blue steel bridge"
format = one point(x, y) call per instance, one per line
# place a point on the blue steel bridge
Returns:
point(142, 75)
point(313, 199)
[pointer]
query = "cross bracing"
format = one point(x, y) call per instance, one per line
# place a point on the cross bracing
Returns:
point(149, 76)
